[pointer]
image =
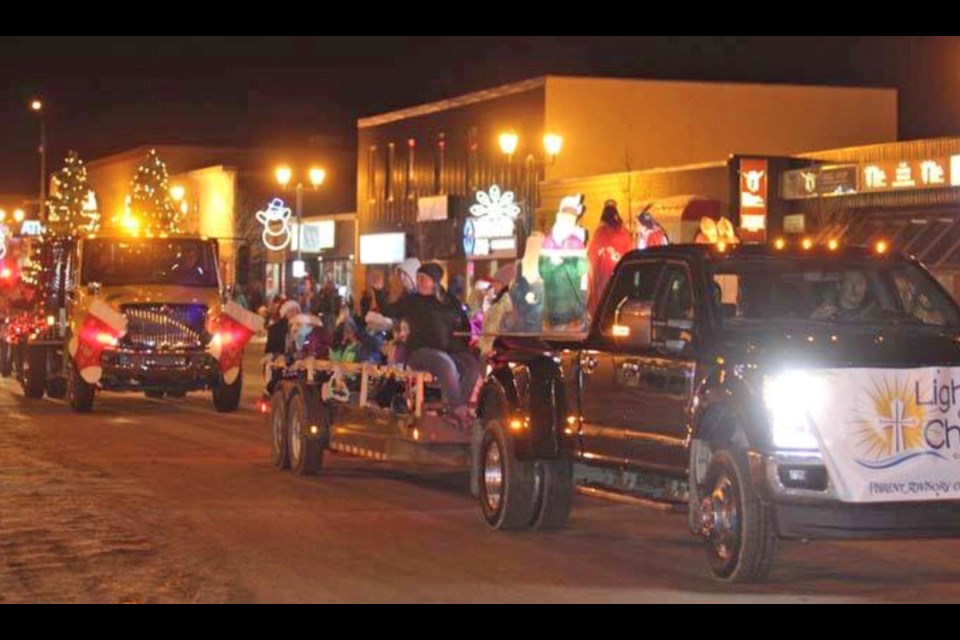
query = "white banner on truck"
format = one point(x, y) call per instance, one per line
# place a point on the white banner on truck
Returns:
point(890, 435)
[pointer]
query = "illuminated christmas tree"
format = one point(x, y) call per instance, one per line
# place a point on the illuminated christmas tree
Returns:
point(150, 206)
point(72, 207)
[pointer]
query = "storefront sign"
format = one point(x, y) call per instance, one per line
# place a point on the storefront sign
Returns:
point(299, 269)
point(31, 229)
point(277, 234)
point(387, 248)
point(317, 236)
point(955, 171)
point(820, 182)
point(491, 232)
point(908, 175)
point(435, 209)
point(754, 193)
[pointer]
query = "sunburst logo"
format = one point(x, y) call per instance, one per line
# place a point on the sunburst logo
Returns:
point(890, 428)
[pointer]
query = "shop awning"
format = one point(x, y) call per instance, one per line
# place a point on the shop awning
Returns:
point(933, 239)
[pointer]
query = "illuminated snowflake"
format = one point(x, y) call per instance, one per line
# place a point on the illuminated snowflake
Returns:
point(495, 205)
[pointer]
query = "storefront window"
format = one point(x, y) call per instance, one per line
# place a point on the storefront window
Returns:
point(388, 174)
point(440, 166)
point(372, 174)
point(410, 182)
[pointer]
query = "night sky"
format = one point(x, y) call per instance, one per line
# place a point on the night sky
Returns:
point(109, 93)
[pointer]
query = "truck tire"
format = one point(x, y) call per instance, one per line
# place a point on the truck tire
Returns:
point(226, 397)
point(507, 484)
point(741, 542)
point(279, 433)
point(80, 395)
point(306, 450)
point(555, 489)
point(153, 394)
point(35, 373)
point(6, 359)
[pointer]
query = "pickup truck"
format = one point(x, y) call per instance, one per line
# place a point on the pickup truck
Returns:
point(781, 392)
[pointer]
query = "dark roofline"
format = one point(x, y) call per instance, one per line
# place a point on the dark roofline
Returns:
point(533, 84)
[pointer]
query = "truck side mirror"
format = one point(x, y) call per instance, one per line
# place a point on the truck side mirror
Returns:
point(633, 328)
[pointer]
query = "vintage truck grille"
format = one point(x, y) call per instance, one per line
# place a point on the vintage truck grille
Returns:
point(167, 327)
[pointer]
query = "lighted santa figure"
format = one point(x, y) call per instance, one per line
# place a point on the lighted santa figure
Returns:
point(563, 269)
point(567, 234)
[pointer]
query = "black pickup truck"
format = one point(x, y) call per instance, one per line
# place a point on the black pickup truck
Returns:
point(777, 392)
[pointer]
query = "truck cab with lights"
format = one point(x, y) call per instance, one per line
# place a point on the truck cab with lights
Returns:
point(142, 314)
point(793, 391)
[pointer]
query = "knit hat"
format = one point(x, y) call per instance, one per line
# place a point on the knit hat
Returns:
point(410, 268)
point(433, 271)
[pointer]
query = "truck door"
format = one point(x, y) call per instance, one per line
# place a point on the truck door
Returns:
point(609, 370)
point(668, 374)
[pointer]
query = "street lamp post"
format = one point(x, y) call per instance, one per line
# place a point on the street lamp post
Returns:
point(552, 145)
point(37, 107)
point(317, 177)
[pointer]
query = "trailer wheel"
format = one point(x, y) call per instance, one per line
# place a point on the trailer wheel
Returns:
point(80, 395)
point(554, 489)
point(6, 359)
point(306, 449)
point(507, 484)
point(741, 542)
point(35, 373)
point(280, 446)
point(226, 397)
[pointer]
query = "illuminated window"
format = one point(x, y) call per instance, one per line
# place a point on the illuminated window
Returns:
point(473, 159)
point(388, 173)
point(410, 189)
point(440, 166)
point(372, 174)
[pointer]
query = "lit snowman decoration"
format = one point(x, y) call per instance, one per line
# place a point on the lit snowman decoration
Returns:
point(277, 234)
point(3, 241)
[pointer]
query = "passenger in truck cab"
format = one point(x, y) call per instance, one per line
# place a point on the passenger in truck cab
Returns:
point(851, 299)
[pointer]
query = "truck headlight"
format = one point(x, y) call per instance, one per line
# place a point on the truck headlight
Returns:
point(791, 398)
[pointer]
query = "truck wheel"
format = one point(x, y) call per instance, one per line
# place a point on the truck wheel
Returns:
point(279, 443)
point(6, 359)
point(176, 394)
point(35, 373)
point(741, 542)
point(226, 397)
point(153, 394)
point(554, 484)
point(306, 450)
point(57, 388)
point(80, 395)
point(506, 484)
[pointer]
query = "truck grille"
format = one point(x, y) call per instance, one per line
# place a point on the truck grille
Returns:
point(167, 327)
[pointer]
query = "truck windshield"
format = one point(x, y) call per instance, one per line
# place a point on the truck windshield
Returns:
point(186, 263)
point(847, 292)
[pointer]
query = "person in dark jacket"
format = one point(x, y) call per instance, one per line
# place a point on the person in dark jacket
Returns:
point(433, 345)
